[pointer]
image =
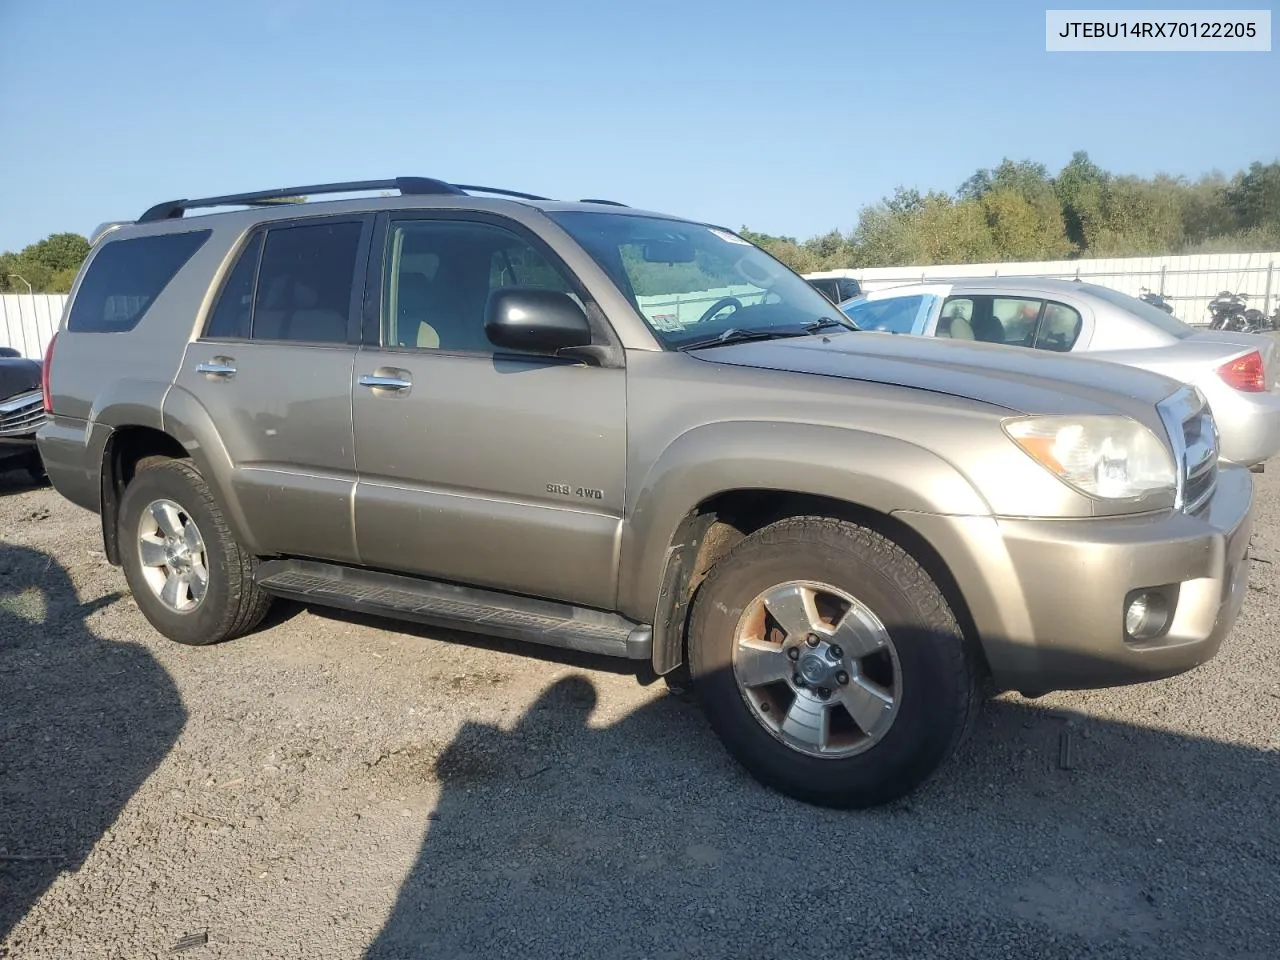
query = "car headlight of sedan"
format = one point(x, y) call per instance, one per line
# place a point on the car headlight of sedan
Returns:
point(1106, 457)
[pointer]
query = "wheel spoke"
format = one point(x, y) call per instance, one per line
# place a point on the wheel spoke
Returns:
point(152, 551)
point(199, 581)
point(808, 722)
point(758, 664)
point(858, 635)
point(166, 519)
point(870, 707)
point(795, 610)
point(174, 591)
point(191, 537)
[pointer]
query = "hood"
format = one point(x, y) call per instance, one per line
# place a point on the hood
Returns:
point(18, 375)
point(1015, 378)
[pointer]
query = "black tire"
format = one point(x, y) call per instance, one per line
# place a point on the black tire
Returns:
point(939, 673)
point(35, 469)
point(232, 604)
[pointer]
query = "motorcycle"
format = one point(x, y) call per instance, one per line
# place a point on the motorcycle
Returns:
point(1227, 312)
point(1156, 300)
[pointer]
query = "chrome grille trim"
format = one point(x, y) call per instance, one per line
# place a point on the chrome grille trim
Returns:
point(1189, 422)
point(22, 415)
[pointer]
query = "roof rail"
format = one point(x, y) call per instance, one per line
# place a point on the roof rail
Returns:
point(500, 192)
point(408, 186)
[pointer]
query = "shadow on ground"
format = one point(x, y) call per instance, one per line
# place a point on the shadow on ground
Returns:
point(83, 722)
point(641, 839)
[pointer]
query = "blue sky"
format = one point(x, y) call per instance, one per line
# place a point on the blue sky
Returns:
point(784, 116)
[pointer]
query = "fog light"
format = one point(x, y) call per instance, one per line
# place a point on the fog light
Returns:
point(1146, 616)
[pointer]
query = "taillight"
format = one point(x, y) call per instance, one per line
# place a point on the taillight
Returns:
point(44, 375)
point(1245, 373)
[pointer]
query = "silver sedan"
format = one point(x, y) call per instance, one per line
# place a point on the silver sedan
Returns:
point(1236, 372)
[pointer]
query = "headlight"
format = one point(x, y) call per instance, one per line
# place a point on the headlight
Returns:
point(1111, 458)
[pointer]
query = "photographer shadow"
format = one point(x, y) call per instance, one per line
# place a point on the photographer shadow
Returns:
point(83, 722)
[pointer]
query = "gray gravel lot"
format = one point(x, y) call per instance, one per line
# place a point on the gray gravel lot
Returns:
point(337, 787)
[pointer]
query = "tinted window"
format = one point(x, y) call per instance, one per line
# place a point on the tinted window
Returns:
point(305, 283)
point(892, 314)
point(235, 304)
point(125, 278)
point(438, 279)
point(1059, 328)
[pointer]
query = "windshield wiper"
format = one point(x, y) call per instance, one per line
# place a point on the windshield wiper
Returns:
point(741, 335)
point(826, 323)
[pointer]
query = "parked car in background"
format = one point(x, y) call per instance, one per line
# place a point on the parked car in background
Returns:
point(835, 289)
point(21, 413)
point(1239, 373)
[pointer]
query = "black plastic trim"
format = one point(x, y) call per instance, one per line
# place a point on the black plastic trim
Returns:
point(408, 186)
point(442, 604)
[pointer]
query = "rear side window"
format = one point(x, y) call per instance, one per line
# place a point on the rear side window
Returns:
point(125, 278)
point(305, 282)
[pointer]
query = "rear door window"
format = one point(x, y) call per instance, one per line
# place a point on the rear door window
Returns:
point(126, 276)
point(306, 281)
point(230, 320)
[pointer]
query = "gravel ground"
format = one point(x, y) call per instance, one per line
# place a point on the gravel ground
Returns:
point(336, 787)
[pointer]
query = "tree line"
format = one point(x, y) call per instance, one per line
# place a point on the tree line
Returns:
point(49, 265)
point(1018, 211)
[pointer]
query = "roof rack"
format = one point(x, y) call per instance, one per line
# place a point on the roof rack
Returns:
point(408, 186)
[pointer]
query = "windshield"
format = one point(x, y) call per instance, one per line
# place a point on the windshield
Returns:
point(692, 282)
point(1147, 311)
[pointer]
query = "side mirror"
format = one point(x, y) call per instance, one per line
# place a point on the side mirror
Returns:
point(535, 321)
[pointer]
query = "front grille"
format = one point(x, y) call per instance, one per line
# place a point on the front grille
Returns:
point(22, 415)
point(1195, 439)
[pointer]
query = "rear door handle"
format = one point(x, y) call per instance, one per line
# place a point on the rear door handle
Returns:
point(222, 368)
point(383, 381)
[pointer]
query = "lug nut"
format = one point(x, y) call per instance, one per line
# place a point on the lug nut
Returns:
point(842, 678)
point(836, 653)
point(798, 680)
point(794, 653)
point(823, 692)
point(813, 640)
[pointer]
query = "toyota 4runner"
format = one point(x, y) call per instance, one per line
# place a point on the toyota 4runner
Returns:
point(620, 432)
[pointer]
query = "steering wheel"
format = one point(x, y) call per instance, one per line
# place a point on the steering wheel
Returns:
point(720, 305)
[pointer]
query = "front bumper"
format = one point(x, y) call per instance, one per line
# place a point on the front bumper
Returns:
point(1047, 597)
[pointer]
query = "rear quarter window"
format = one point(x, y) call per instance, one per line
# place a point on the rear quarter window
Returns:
point(125, 278)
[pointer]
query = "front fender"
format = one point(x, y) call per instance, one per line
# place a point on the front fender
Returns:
point(868, 469)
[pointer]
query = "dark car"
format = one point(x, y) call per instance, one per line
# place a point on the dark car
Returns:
point(836, 289)
point(21, 412)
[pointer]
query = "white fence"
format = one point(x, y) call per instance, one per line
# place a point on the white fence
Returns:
point(28, 323)
point(1188, 283)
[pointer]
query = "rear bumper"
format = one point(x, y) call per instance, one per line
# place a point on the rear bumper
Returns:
point(1248, 424)
point(72, 453)
point(1047, 597)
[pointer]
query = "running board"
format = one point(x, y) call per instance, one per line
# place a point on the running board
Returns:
point(463, 608)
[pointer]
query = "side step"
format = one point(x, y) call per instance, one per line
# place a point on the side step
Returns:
point(463, 608)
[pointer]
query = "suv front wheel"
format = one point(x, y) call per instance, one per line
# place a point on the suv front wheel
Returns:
point(188, 575)
point(830, 664)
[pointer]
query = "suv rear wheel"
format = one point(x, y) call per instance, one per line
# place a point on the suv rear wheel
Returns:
point(830, 664)
point(188, 575)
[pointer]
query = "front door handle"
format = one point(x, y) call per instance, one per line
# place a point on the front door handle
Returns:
point(220, 368)
point(385, 381)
